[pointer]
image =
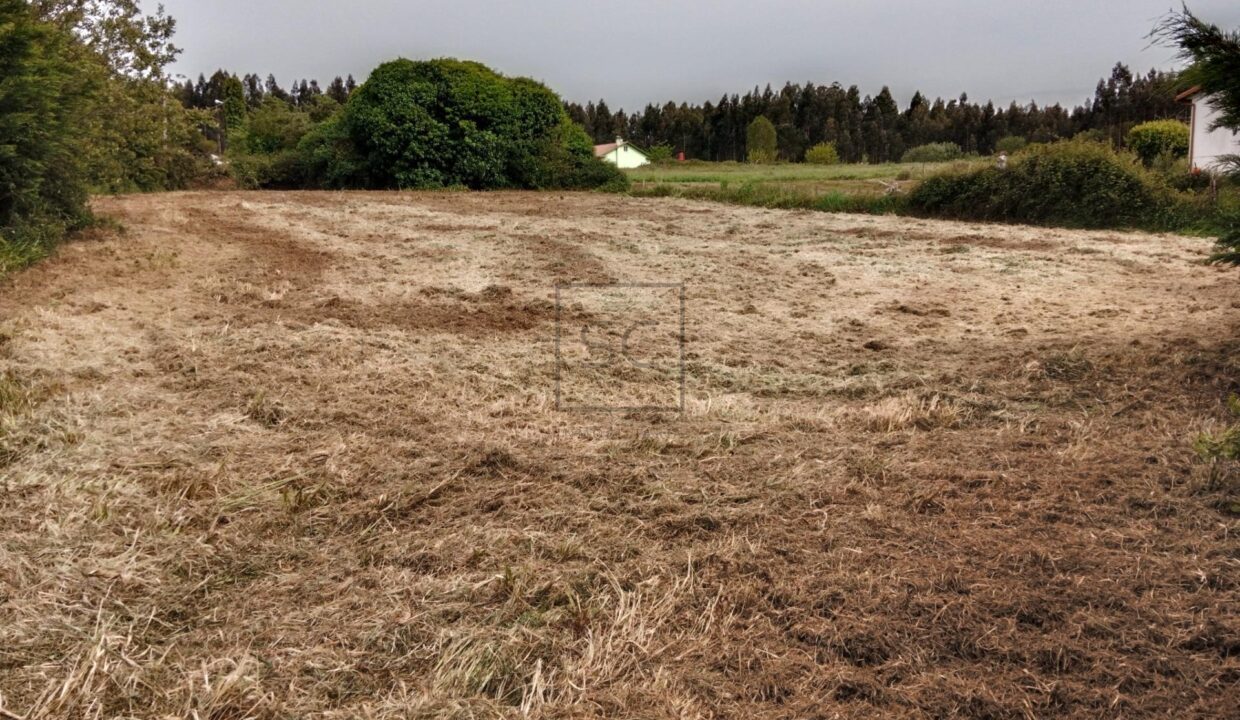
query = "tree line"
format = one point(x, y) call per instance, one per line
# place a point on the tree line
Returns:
point(253, 90)
point(875, 128)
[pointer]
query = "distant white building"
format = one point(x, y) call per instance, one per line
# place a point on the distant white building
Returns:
point(622, 154)
point(1205, 146)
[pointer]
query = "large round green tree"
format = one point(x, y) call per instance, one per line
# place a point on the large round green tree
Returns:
point(449, 122)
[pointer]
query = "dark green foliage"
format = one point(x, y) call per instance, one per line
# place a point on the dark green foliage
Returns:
point(448, 122)
point(1011, 144)
point(1157, 138)
point(566, 161)
point(933, 152)
point(1228, 239)
point(327, 158)
point(761, 142)
point(42, 103)
point(273, 127)
point(1214, 55)
point(880, 129)
point(1069, 183)
point(875, 129)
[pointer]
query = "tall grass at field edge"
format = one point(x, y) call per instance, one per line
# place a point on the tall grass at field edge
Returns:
point(781, 198)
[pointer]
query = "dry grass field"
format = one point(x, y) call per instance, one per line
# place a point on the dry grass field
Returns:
point(270, 455)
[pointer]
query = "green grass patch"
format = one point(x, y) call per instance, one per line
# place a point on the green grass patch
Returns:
point(856, 188)
point(26, 244)
point(734, 172)
point(1066, 184)
point(779, 197)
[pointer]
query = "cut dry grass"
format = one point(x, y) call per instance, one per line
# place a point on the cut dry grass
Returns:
point(297, 455)
point(912, 411)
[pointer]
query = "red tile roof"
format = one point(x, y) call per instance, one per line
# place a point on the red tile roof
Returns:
point(1188, 93)
point(601, 150)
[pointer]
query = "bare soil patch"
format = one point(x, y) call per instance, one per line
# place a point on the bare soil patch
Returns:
point(281, 455)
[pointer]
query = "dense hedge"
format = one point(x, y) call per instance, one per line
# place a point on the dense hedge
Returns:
point(1072, 183)
point(933, 152)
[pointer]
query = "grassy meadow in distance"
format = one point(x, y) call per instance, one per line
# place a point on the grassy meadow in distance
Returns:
point(850, 177)
point(833, 188)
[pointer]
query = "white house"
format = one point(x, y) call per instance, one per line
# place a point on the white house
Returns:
point(1205, 146)
point(621, 154)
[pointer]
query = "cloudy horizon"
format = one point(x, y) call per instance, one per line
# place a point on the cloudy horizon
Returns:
point(695, 50)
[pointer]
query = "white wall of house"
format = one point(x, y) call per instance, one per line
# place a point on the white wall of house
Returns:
point(1207, 146)
point(626, 156)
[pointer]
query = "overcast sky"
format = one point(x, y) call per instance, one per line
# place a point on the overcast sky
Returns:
point(641, 51)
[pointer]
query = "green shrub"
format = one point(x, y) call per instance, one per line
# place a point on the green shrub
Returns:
point(273, 127)
point(1011, 144)
point(933, 152)
point(660, 154)
point(822, 154)
point(281, 170)
point(445, 123)
point(328, 159)
point(761, 142)
point(565, 161)
point(1161, 137)
point(1073, 183)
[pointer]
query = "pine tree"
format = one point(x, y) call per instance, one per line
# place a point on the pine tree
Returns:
point(254, 93)
point(337, 91)
point(274, 90)
point(1215, 57)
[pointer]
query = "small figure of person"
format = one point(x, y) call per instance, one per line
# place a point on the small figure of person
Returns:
point(1001, 163)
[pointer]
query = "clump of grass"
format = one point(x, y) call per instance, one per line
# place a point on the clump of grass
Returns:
point(1070, 366)
point(471, 665)
point(266, 411)
point(15, 396)
point(18, 252)
point(1220, 449)
point(911, 412)
point(16, 399)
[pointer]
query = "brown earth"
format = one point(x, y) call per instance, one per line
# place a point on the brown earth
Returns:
point(298, 455)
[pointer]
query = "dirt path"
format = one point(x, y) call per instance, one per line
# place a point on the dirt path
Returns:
point(298, 455)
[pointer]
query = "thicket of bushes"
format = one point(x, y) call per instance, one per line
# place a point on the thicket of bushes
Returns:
point(1159, 138)
point(1011, 144)
point(429, 124)
point(1073, 183)
point(933, 152)
point(84, 106)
